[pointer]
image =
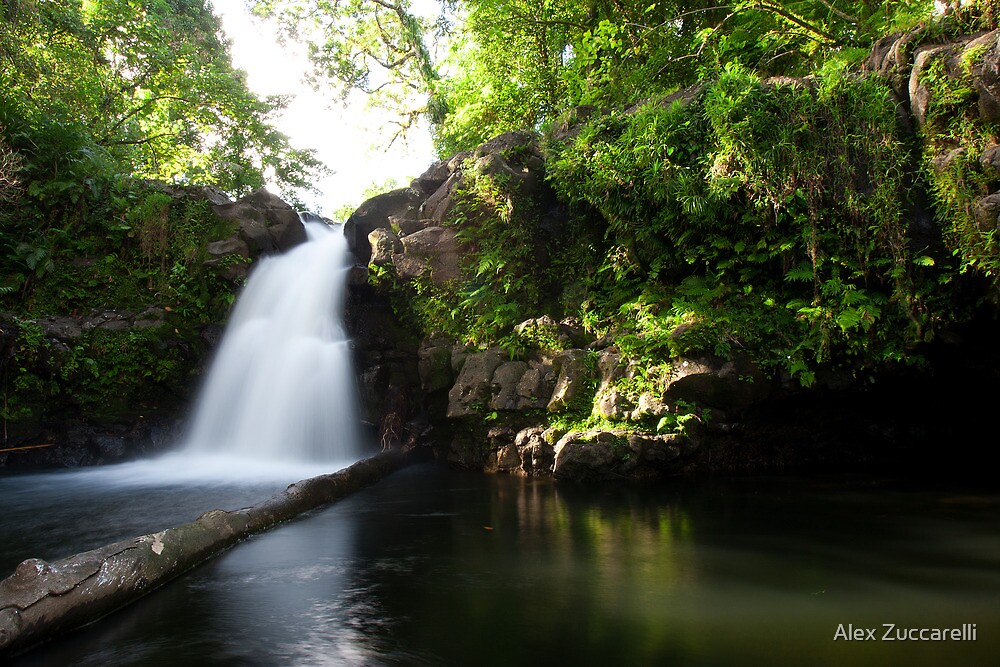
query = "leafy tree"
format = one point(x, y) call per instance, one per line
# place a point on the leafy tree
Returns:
point(100, 95)
point(516, 64)
point(382, 48)
point(152, 85)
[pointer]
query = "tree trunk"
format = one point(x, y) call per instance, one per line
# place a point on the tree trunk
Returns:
point(42, 600)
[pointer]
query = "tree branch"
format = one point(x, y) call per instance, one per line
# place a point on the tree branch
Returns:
point(788, 16)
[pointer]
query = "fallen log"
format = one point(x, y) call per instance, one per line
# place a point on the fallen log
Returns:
point(42, 600)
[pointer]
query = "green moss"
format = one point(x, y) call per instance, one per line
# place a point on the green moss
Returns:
point(120, 246)
point(755, 216)
point(102, 374)
point(953, 137)
point(139, 248)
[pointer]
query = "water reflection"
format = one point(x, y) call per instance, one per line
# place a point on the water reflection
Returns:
point(440, 567)
point(56, 514)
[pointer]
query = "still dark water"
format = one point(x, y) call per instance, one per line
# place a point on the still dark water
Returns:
point(435, 566)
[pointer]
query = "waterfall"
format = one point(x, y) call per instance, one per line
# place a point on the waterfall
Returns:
point(281, 386)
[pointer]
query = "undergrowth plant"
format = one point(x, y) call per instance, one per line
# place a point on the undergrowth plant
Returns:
point(754, 215)
point(954, 137)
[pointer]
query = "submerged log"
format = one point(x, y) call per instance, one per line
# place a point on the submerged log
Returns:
point(42, 600)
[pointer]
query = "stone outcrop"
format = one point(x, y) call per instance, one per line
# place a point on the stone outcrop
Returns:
point(265, 223)
point(375, 213)
point(432, 251)
point(490, 386)
point(413, 233)
point(490, 406)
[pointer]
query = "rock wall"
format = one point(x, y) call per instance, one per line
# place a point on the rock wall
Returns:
point(145, 364)
point(491, 408)
point(485, 409)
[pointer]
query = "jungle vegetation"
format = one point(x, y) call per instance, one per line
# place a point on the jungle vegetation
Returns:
point(771, 216)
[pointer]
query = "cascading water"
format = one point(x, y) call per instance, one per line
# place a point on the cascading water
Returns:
point(278, 406)
point(281, 386)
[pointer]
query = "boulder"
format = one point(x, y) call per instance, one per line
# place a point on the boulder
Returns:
point(504, 456)
point(990, 161)
point(375, 213)
point(405, 225)
point(890, 58)
point(519, 147)
point(440, 203)
point(409, 267)
point(473, 387)
point(657, 450)
point(457, 161)
point(63, 329)
point(610, 369)
point(536, 454)
point(647, 406)
point(384, 245)
point(572, 328)
point(725, 384)
point(918, 94)
point(588, 455)
point(265, 223)
point(459, 353)
point(433, 178)
point(513, 158)
point(507, 459)
point(986, 75)
point(536, 385)
point(109, 320)
point(573, 379)
point(976, 57)
point(987, 212)
point(613, 404)
point(504, 385)
point(945, 161)
point(229, 258)
point(547, 334)
point(357, 276)
point(432, 250)
point(150, 318)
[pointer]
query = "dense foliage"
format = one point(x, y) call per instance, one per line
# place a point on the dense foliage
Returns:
point(103, 102)
point(101, 94)
point(705, 207)
point(481, 67)
point(746, 217)
point(147, 88)
point(779, 218)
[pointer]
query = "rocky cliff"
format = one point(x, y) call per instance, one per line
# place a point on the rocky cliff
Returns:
point(489, 270)
point(97, 385)
point(745, 275)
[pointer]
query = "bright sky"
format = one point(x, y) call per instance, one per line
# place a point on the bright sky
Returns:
point(349, 140)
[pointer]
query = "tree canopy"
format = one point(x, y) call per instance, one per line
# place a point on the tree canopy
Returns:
point(147, 87)
point(485, 66)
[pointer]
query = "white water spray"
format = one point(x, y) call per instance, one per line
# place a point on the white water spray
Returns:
point(281, 387)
